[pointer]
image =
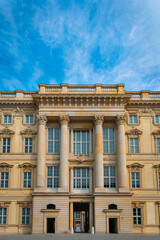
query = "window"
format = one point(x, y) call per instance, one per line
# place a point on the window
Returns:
point(108, 140)
point(81, 142)
point(27, 180)
point(133, 119)
point(52, 177)
point(53, 140)
point(78, 215)
point(137, 216)
point(51, 206)
point(4, 179)
point(112, 206)
point(6, 145)
point(109, 177)
point(157, 118)
point(158, 145)
point(28, 145)
point(134, 145)
point(25, 215)
point(159, 179)
point(3, 215)
point(7, 119)
point(135, 179)
point(29, 119)
point(81, 178)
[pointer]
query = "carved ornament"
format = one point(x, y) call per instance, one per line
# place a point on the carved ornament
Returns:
point(81, 158)
point(135, 166)
point(157, 132)
point(18, 111)
point(120, 119)
point(157, 167)
point(146, 110)
point(27, 166)
point(6, 131)
point(138, 204)
point(99, 119)
point(28, 131)
point(134, 131)
point(5, 166)
point(64, 119)
point(42, 119)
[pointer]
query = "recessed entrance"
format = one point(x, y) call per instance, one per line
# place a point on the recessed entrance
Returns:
point(113, 225)
point(50, 225)
point(81, 217)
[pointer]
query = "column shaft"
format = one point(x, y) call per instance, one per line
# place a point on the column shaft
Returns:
point(71, 214)
point(90, 216)
point(90, 181)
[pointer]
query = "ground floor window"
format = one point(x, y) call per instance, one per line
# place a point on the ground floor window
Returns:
point(3, 215)
point(25, 215)
point(137, 218)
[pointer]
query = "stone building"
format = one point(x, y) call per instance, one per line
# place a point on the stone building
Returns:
point(79, 156)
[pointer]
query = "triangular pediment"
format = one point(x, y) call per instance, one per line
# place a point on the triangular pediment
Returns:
point(28, 131)
point(157, 132)
point(6, 131)
point(134, 131)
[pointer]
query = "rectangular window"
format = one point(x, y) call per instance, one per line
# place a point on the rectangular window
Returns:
point(28, 145)
point(157, 119)
point(27, 179)
point(108, 140)
point(6, 145)
point(78, 214)
point(133, 119)
point(3, 215)
point(29, 119)
point(159, 179)
point(134, 145)
point(7, 119)
point(81, 142)
point(25, 215)
point(4, 179)
point(53, 140)
point(109, 177)
point(135, 179)
point(53, 177)
point(81, 178)
point(158, 145)
point(137, 216)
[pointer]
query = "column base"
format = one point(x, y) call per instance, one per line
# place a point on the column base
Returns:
point(40, 189)
point(63, 189)
point(99, 189)
point(123, 190)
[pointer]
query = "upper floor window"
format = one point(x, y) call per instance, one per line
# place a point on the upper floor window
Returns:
point(6, 145)
point(135, 179)
point(81, 178)
point(157, 118)
point(4, 179)
point(26, 215)
point(81, 142)
point(158, 145)
point(132, 119)
point(3, 215)
point(29, 119)
point(137, 216)
point(53, 140)
point(109, 177)
point(159, 179)
point(108, 140)
point(134, 145)
point(53, 177)
point(27, 179)
point(7, 119)
point(28, 145)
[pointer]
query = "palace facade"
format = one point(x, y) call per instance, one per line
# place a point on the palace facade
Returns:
point(79, 156)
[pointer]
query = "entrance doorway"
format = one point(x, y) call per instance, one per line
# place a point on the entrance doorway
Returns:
point(81, 217)
point(50, 225)
point(113, 225)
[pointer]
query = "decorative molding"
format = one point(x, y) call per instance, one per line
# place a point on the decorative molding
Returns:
point(81, 158)
point(28, 131)
point(157, 167)
point(146, 110)
point(4, 204)
point(42, 119)
point(24, 204)
point(120, 119)
point(64, 119)
point(134, 132)
point(5, 166)
point(6, 131)
point(157, 132)
point(27, 166)
point(137, 204)
point(135, 166)
point(18, 111)
point(99, 119)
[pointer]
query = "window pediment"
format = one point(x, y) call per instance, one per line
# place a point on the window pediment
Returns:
point(6, 131)
point(134, 132)
point(157, 132)
point(5, 166)
point(27, 166)
point(28, 132)
point(135, 166)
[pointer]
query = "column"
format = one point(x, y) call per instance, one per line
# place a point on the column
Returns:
point(71, 214)
point(41, 152)
point(90, 216)
point(64, 145)
point(121, 155)
point(99, 181)
point(90, 180)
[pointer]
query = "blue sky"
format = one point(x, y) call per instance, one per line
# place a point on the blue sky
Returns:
point(79, 42)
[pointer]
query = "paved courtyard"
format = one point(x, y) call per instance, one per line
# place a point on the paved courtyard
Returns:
point(81, 237)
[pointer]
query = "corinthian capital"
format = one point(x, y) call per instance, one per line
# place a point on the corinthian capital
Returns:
point(64, 119)
point(120, 119)
point(99, 119)
point(42, 119)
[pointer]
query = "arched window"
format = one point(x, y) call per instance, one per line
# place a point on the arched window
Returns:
point(112, 206)
point(51, 206)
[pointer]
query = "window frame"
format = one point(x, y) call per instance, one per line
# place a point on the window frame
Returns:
point(81, 142)
point(131, 119)
point(134, 138)
point(54, 147)
point(25, 216)
point(8, 122)
point(53, 177)
point(110, 177)
point(6, 152)
point(27, 180)
point(25, 146)
point(109, 140)
point(137, 216)
point(135, 172)
point(6, 216)
point(4, 179)
point(157, 137)
point(135, 167)
point(78, 180)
